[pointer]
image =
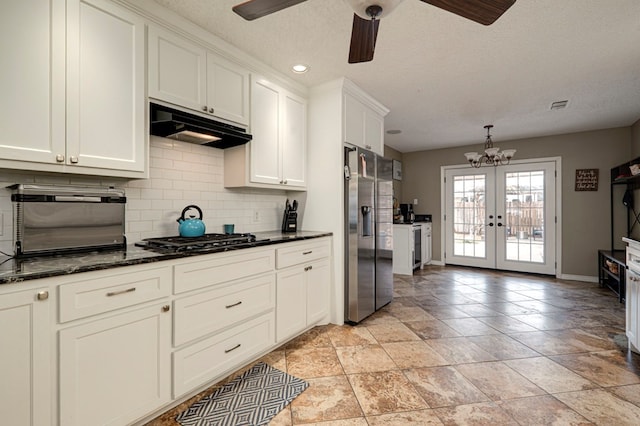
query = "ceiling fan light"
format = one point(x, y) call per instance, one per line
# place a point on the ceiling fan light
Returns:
point(360, 7)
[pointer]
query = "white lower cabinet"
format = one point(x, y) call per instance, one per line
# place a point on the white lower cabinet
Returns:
point(318, 278)
point(212, 358)
point(25, 370)
point(303, 286)
point(96, 348)
point(291, 303)
point(116, 369)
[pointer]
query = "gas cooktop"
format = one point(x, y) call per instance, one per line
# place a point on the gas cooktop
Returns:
point(207, 241)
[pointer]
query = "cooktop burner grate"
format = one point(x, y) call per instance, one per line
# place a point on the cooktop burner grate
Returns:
point(194, 243)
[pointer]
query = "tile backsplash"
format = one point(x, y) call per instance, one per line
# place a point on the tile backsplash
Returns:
point(179, 174)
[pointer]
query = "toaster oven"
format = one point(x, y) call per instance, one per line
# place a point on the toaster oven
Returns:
point(50, 219)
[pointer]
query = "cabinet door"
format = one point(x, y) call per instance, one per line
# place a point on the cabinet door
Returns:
point(631, 310)
point(177, 70)
point(374, 131)
point(115, 370)
point(32, 83)
point(25, 395)
point(105, 86)
point(291, 303)
point(318, 287)
point(353, 121)
point(227, 89)
point(294, 140)
point(265, 148)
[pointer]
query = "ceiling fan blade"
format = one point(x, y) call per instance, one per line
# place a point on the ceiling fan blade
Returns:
point(363, 39)
point(484, 12)
point(253, 9)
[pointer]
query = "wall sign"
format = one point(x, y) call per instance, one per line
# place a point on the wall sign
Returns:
point(587, 179)
point(397, 170)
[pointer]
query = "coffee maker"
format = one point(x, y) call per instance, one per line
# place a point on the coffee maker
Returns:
point(407, 213)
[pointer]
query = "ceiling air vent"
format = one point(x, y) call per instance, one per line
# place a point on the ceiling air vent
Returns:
point(559, 105)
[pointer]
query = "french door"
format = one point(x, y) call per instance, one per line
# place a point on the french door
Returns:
point(502, 217)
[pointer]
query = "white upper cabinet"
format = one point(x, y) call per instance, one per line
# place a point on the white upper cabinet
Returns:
point(363, 126)
point(177, 70)
point(276, 156)
point(227, 89)
point(105, 86)
point(184, 73)
point(74, 103)
point(32, 83)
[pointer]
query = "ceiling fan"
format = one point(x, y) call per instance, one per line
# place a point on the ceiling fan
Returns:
point(366, 18)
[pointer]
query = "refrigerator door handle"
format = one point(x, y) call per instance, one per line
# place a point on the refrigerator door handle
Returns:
point(347, 172)
point(367, 219)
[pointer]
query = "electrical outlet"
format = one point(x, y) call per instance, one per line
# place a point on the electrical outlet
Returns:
point(415, 201)
point(256, 216)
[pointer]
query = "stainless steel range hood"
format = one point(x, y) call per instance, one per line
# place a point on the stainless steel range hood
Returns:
point(183, 126)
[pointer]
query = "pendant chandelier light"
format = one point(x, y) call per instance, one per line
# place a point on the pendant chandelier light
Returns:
point(492, 156)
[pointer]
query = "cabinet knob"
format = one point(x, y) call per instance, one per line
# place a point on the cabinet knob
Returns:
point(166, 308)
point(211, 110)
point(285, 182)
point(204, 108)
point(60, 158)
point(42, 295)
point(368, 146)
point(308, 268)
point(73, 159)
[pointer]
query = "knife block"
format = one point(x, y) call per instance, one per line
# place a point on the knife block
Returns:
point(290, 221)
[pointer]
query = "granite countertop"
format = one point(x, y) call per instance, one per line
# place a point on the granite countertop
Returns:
point(17, 270)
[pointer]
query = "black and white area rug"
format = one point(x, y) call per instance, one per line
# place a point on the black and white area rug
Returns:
point(251, 399)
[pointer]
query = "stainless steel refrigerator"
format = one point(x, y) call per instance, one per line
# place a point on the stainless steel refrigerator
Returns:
point(368, 192)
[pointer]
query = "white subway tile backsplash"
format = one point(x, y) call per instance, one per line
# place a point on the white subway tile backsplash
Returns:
point(180, 174)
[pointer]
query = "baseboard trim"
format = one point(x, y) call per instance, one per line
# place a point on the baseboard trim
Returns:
point(585, 278)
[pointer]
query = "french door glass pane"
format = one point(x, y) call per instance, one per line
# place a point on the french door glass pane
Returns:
point(468, 216)
point(524, 206)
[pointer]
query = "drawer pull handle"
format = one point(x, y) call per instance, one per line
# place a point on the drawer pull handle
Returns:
point(307, 252)
point(115, 293)
point(42, 295)
point(308, 268)
point(166, 308)
point(226, 351)
point(235, 304)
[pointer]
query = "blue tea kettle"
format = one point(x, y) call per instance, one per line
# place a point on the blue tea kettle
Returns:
point(191, 226)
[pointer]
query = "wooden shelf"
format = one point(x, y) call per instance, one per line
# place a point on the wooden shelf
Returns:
point(607, 278)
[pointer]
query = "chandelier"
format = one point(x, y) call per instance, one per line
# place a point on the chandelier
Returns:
point(492, 156)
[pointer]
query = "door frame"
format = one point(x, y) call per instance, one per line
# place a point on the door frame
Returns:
point(558, 188)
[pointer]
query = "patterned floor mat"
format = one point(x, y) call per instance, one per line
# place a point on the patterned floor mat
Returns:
point(250, 399)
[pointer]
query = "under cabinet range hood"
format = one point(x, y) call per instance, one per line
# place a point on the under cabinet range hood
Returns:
point(183, 126)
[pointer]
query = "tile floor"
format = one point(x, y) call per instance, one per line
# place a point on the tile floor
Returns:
point(462, 346)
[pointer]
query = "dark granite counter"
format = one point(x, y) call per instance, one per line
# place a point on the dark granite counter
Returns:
point(17, 270)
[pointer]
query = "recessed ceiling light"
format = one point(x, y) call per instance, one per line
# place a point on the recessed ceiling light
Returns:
point(559, 105)
point(394, 132)
point(300, 68)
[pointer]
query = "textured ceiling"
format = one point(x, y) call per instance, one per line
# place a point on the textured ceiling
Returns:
point(444, 77)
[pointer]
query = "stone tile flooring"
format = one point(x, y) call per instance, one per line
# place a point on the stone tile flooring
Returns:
point(462, 346)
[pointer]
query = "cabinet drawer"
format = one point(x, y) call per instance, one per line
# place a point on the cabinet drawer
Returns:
point(303, 252)
point(204, 313)
point(97, 293)
point(212, 358)
point(219, 268)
